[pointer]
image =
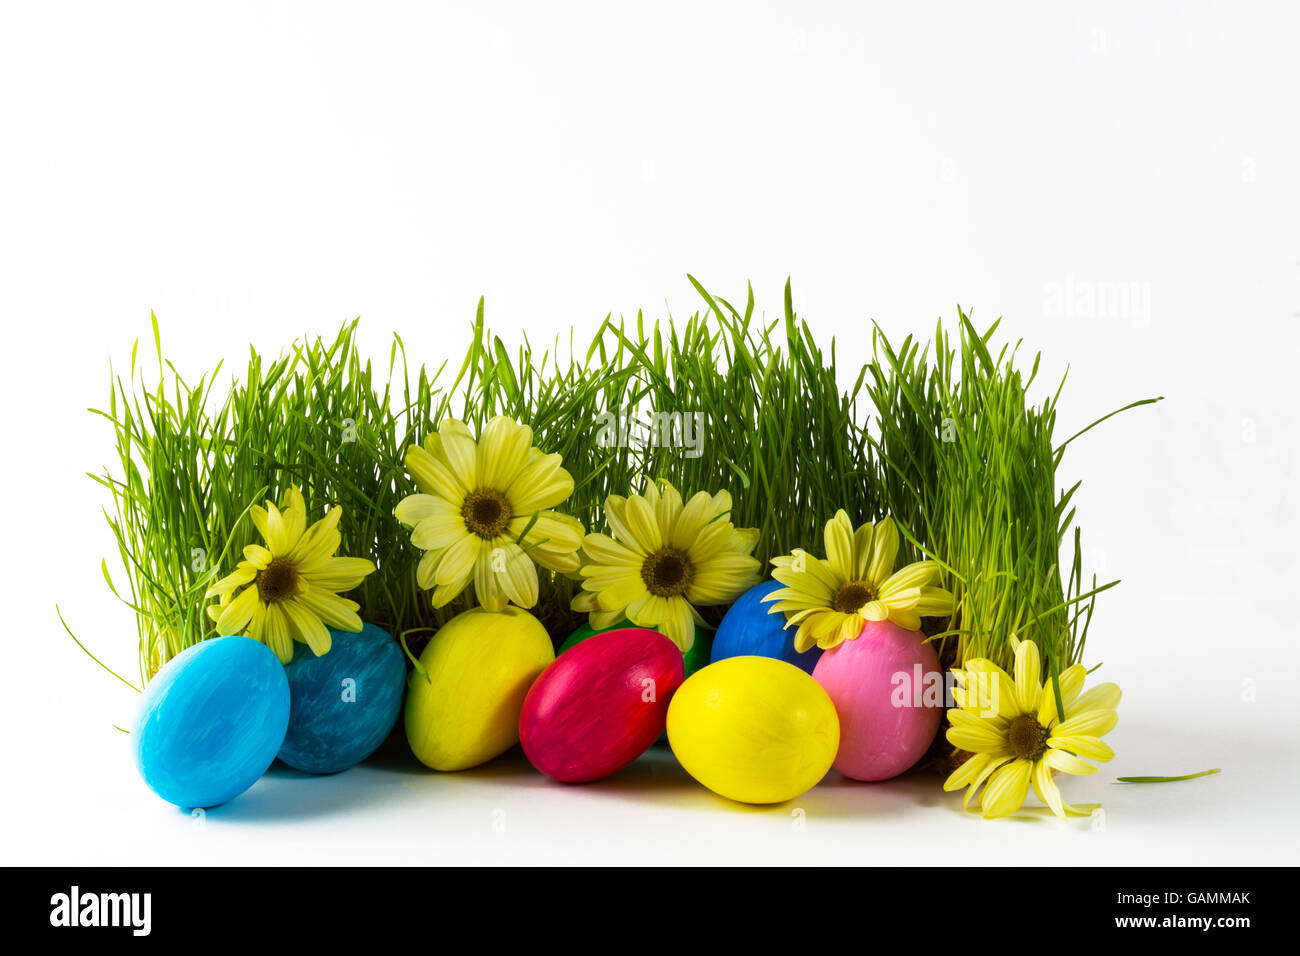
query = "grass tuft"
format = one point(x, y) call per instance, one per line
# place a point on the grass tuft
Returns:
point(969, 469)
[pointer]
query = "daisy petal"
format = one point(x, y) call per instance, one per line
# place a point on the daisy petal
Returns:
point(621, 593)
point(462, 456)
point(920, 574)
point(1071, 680)
point(433, 476)
point(600, 620)
point(1068, 763)
point(519, 579)
point(743, 540)
point(678, 625)
point(413, 509)
point(839, 545)
point(1028, 674)
point(258, 556)
point(459, 556)
point(989, 689)
point(338, 574)
point(1007, 789)
point(487, 583)
point(277, 534)
point(1045, 788)
point(438, 531)
point(307, 627)
point(965, 774)
point(238, 612)
point(1081, 745)
point(641, 523)
point(243, 574)
point(668, 508)
point(976, 739)
point(862, 551)
point(503, 448)
point(697, 513)
point(1091, 723)
point(542, 484)
point(333, 611)
point(884, 551)
point(989, 769)
point(1102, 697)
point(319, 541)
point(603, 549)
point(275, 633)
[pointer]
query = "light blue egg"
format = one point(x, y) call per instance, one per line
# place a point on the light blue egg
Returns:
point(748, 629)
point(344, 703)
point(211, 721)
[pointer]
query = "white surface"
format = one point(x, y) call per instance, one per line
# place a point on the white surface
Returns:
point(255, 173)
point(653, 813)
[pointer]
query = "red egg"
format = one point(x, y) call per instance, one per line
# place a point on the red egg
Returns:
point(600, 704)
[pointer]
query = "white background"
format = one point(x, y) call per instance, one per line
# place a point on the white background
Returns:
point(256, 173)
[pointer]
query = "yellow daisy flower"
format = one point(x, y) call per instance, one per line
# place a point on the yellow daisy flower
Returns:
point(1012, 728)
point(482, 514)
point(290, 586)
point(831, 600)
point(665, 557)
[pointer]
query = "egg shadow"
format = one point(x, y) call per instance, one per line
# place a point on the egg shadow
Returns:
point(657, 777)
point(284, 794)
point(394, 754)
point(654, 777)
point(838, 797)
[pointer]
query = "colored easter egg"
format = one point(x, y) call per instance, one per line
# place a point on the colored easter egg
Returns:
point(600, 704)
point(692, 660)
point(343, 704)
point(749, 630)
point(879, 684)
point(211, 720)
point(753, 729)
point(464, 709)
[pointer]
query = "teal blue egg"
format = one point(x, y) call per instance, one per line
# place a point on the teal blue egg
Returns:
point(344, 703)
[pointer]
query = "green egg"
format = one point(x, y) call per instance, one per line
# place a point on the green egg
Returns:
point(694, 659)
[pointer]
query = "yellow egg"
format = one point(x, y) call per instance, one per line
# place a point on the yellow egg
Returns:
point(754, 729)
point(479, 666)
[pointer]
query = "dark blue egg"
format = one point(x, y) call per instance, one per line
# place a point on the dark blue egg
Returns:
point(344, 703)
point(748, 629)
point(211, 721)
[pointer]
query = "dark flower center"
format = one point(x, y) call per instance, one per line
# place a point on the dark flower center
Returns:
point(277, 581)
point(667, 572)
point(486, 512)
point(853, 595)
point(1027, 737)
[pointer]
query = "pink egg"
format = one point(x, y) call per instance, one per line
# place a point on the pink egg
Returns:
point(600, 704)
point(888, 692)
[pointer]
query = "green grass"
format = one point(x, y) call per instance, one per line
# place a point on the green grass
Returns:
point(192, 457)
point(958, 452)
point(970, 470)
point(192, 461)
point(1178, 779)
